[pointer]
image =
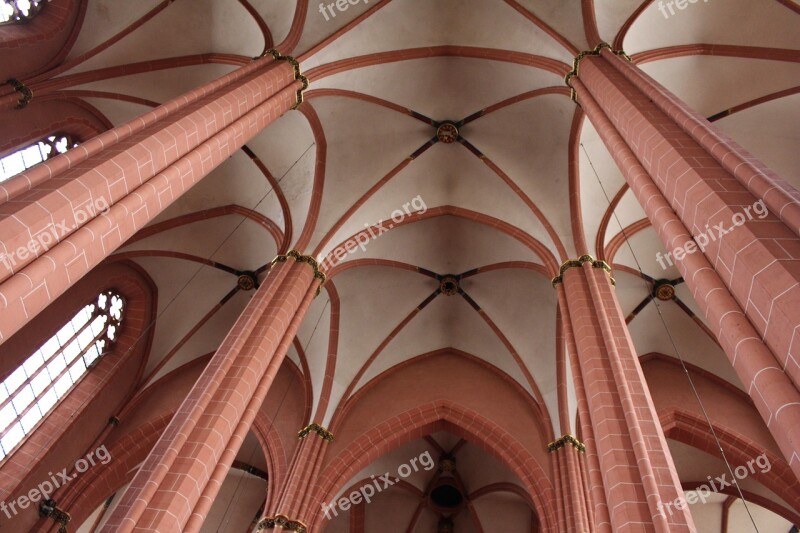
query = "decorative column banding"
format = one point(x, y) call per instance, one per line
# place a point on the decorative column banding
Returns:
point(315, 428)
point(175, 486)
point(576, 64)
point(23, 90)
point(49, 509)
point(63, 217)
point(566, 440)
point(742, 217)
point(209, 494)
point(572, 263)
point(298, 75)
point(773, 392)
point(635, 465)
point(300, 258)
point(282, 522)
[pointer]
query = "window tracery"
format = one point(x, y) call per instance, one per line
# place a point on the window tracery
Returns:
point(35, 153)
point(29, 393)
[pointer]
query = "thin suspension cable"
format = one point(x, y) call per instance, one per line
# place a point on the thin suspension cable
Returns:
point(120, 357)
point(672, 342)
point(271, 423)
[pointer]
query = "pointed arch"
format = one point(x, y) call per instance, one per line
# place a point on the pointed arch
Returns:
point(429, 418)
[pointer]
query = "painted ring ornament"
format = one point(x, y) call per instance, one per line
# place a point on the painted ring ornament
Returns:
point(246, 282)
point(447, 133)
point(448, 285)
point(665, 292)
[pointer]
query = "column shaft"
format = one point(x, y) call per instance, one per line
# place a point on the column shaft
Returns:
point(576, 497)
point(573, 505)
point(229, 453)
point(587, 495)
point(597, 511)
point(783, 199)
point(636, 467)
point(175, 486)
point(293, 505)
point(774, 394)
point(561, 486)
point(62, 217)
point(754, 252)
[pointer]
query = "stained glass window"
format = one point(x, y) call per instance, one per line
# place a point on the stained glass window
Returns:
point(12, 11)
point(29, 393)
point(25, 158)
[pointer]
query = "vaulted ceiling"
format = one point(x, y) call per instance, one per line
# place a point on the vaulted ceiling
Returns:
point(528, 184)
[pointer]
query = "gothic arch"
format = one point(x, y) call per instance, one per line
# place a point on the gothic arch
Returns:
point(147, 417)
point(690, 429)
point(428, 418)
point(46, 39)
point(21, 127)
point(97, 396)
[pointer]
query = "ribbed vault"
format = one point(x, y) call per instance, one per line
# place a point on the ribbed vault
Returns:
point(526, 185)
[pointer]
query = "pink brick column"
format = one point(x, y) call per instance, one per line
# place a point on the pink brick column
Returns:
point(719, 192)
point(176, 485)
point(638, 475)
point(559, 485)
point(591, 475)
point(583, 479)
point(62, 217)
point(294, 505)
point(775, 396)
point(783, 199)
point(576, 498)
point(573, 503)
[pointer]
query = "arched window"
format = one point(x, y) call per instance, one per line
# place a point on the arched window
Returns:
point(25, 158)
point(14, 11)
point(29, 393)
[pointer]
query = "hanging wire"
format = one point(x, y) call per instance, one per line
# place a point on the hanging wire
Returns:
point(271, 423)
point(672, 342)
point(118, 359)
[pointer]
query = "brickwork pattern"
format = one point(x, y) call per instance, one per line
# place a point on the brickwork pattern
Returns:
point(759, 261)
point(140, 176)
point(636, 466)
point(775, 396)
point(174, 487)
